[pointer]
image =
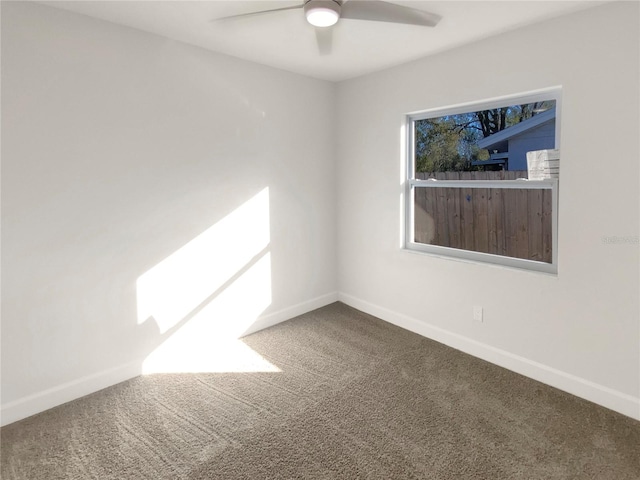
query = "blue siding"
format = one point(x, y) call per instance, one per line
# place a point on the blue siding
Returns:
point(539, 138)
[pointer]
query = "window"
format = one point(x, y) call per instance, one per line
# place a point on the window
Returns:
point(482, 181)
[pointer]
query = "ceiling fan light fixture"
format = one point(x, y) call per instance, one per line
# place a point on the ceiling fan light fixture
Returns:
point(322, 13)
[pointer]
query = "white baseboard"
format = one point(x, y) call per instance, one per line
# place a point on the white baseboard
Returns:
point(604, 396)
point(291, 312)
point(52, 397)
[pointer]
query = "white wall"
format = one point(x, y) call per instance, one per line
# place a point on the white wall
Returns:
point(119, 148)
point(579, 330)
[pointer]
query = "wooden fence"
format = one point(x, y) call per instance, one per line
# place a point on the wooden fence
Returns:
point(509, 222)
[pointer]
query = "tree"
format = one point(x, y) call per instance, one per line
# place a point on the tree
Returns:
point(437, 146)
point(449, 143)
point(492, 121)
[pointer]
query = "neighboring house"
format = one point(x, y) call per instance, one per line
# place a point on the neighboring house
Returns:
point(509, 147)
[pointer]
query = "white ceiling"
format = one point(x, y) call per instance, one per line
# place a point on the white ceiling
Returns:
point(285, 40)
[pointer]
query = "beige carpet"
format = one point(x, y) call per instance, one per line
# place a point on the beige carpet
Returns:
point(355, 398)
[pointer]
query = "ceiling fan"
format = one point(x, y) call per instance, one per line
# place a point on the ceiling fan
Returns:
point(325, 13)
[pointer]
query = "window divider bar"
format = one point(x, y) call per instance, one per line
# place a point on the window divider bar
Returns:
point(547, 184)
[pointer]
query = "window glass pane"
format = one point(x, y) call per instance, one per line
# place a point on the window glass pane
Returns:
point(497, 139)
point(501, 221)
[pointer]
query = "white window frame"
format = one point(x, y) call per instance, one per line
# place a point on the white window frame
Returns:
point(412, 183)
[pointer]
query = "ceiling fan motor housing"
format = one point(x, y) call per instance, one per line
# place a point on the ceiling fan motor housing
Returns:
point(322, 13)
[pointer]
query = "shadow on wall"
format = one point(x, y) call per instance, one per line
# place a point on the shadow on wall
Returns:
point(193, 306)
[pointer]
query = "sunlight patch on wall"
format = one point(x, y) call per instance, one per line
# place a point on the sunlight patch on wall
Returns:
point(208, 341)
point(204, 296)
point(180, 283)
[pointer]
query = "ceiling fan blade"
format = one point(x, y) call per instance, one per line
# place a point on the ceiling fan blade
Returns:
point(251, 14)
point(324, 37)
point(387, 12)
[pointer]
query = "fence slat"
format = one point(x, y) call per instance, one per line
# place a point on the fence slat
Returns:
point(495, 220)
point(546, 226)
point(522, 221)
point(442, 220)
point(467, 221)
point(480, 223)
point(510, 225)
point(534, 225)
point(419, 224)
